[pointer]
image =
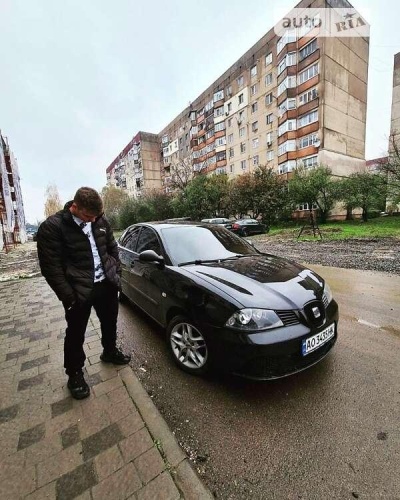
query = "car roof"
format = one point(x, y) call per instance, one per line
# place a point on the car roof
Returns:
point(159, 225)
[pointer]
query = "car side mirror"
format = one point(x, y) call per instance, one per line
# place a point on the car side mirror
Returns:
point(151, 256)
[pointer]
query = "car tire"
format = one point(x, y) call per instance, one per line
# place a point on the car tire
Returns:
point(188, 346)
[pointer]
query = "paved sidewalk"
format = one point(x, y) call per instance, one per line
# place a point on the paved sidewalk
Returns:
point(112, 445)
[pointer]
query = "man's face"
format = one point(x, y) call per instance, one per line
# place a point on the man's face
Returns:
point(82, 213)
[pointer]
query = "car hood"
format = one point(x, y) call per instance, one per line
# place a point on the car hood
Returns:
point(262, 281)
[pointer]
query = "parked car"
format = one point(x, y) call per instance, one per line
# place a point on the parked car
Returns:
point(224, 304)
point(219, 220)
point(246, 227)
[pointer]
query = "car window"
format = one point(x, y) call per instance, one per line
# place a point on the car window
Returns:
point(148, 241)
point(129, 239)
point(188, 243)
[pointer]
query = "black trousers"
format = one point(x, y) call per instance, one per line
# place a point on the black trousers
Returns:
point(104, 300)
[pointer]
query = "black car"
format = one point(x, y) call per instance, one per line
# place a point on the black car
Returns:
point(247, 227)
point(224, 304)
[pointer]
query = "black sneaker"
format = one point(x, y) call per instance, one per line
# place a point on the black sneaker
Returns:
point(116, 356)
point(78, 386)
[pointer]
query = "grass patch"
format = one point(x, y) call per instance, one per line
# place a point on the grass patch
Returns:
point(380, 227)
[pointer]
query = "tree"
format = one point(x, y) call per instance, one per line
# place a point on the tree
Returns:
point(368, 191)
point(314, 186)
point(113, 199)
point(269, 194)
point(181, 173)
point(53, 203)
point(390, 168)
point(217, 194)
point(240, 194)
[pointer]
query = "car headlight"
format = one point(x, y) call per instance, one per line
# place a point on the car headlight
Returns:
point(254, 319)
point(327, 295)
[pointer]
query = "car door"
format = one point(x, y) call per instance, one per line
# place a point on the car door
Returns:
point(128, 256)
point(148, 275)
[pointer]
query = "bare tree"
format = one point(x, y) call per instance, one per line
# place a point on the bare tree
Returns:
point(53, 203)
point(182, 173)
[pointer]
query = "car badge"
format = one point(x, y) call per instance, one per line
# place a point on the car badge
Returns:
point(316, 312)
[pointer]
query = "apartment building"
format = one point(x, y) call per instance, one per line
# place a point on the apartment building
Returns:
point(12, 215)
point(395, 115)
point(137, 168)
point(290, 99)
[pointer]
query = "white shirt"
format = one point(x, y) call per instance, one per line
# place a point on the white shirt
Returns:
point(86, 227)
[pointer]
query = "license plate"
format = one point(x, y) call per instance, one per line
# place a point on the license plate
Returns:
point(316, 341)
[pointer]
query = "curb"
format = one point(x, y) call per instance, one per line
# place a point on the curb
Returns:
point(185, 477)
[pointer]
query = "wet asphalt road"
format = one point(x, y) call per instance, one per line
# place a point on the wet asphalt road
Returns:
point(331, 432)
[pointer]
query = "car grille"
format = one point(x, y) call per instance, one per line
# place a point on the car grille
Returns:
point(288, 318)
point(279, 366)
point(325, 301)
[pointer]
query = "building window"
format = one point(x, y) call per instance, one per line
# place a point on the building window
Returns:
point(288, 83)
point(287, 126)
point(307, 119)
point(268, 59)
point(230, 138)
point(241, 98)
point(218, 111)
point(254, 107)
point(256, 160)
point(218, 95)
point(241, 117)
point(241, 131)
point(307, 140)
point(210, 133)
point(270, 155)
point(221, 141)
point(308, 96)
point(219, 126)
point(231, 152)
point(231, 167)
point(268, 79)
point(287, 146)
point(230, 122)
point(221, 155)
point(240, 81)
point(254, 126)
point(242, 147)
point(288, 37)
point(288, 60)
point(269, 139)
point(255, 143)
point(243, 164)
point(268, 99)
point(253, 70)
point(308, 49)
point(229, 107)
point(288, 104)
point(269, 118)
point(229, 90)
point(254, 89)
point(310, 162)
point(308, 73)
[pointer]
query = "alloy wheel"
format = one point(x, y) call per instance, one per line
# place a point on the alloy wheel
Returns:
point(189, 346)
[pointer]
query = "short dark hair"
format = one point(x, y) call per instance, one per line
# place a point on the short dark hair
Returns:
point(89, 199)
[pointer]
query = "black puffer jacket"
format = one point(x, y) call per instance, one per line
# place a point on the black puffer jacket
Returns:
point(66, 258)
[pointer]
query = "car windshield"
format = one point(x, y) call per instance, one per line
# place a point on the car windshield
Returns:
point(197, 243)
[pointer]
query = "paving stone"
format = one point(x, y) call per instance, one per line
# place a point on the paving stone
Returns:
point(119, 485)
point(100, 441)
point(9, 413)
point(59, 464)
point(41, 451)
point(31, 436)
point(136, 444)
point(26, 365)
point(75, 482)
point(94, 379)
point(160, 488)
point(30, 382)
point(47, 492)
point(70, 436)
point(16, 481)
point(118, 395)
point(93, 423)
point(17, 354)
point(131, 423)
point(108, 462)
point(108, 386)
point(60, 407)
point(149, 465)
point(121, 409)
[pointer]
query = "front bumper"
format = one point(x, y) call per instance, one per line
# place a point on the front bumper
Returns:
point(269, 354)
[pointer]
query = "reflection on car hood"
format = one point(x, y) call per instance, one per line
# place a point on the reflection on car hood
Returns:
point(264, 281)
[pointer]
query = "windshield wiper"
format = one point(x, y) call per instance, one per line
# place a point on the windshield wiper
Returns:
point(198, 262)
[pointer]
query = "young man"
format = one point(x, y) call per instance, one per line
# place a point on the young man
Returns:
point(78, 257)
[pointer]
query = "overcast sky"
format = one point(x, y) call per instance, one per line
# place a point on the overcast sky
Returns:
point(80, 78)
